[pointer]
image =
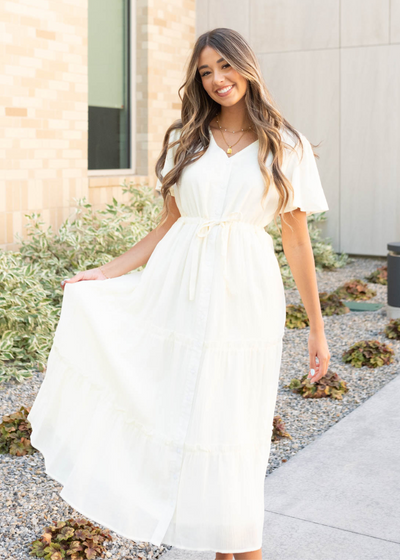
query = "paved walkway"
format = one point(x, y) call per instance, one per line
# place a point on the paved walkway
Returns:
point(339, 497)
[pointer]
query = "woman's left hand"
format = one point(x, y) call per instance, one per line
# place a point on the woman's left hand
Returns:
point(319, 354)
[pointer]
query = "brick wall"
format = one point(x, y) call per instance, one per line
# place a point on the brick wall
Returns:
point(43, 112)
point(44, 104)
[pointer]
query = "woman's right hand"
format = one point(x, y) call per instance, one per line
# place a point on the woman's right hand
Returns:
point(91, 274)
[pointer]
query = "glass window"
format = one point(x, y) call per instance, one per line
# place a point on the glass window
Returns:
point(109, 79)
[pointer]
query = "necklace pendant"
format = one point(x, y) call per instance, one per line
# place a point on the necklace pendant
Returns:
point(229, 150)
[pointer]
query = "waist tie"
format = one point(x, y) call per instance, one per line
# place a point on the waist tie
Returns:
point(203, 231)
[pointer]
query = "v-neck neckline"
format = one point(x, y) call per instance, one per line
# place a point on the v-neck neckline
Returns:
point(224, 151)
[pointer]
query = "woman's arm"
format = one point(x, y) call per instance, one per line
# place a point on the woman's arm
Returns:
point(136, 256)
point(140, 253)
point(298, 251)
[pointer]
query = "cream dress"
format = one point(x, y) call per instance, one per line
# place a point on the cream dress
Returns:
point(156, 409)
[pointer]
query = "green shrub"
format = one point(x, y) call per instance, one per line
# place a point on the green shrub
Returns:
point(15, 433)
point(74, 538)
point(378, 276)
point(91, 237)
point(28, 317)
point(296, 317)
point(392, 330)
point(355, 289)
point(330, 385)
point(370, 353)
point(31, 295)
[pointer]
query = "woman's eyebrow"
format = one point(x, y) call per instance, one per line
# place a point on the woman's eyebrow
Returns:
point(206, 65)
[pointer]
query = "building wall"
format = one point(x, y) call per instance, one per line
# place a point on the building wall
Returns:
point(333, 68)
point(44, 107)
point(43, 112)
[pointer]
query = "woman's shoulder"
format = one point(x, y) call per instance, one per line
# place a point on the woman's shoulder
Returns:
point(175, 132)
point(293, 149)
point(290, 138)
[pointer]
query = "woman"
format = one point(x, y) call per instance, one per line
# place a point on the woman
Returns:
point(157, 406)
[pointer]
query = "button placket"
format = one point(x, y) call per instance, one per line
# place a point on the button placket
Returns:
point(204, 298)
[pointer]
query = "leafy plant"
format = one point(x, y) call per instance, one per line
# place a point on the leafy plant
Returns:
point(31, 295)
point(27, 317)
point(331, 304)
point(15, 433)
point(296, 317)
point(370, 353)
point(91, 237)
point(75, 538)
point(279, 430)
point(378, 276)
point(392, 330)
point(355, 289)
point(330, 385)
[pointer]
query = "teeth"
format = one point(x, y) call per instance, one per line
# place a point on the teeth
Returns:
point(224, 90)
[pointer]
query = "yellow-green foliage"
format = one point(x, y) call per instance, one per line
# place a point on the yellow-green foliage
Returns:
point(330, 385)
point(279, 430)
point(15, 433)
point(355, 289)
point(392, 330)
point(296, 317)
point(91, 237)
point(378, 276)
point(31, 295)
point(74, 539)
point(370, 353)
point(28, 317)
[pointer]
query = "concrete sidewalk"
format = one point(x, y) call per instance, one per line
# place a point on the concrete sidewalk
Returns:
point(339, 497)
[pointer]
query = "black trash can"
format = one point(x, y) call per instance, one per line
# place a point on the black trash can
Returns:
point(393, 281)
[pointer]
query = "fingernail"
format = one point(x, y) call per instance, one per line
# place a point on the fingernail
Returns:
point(312, 371)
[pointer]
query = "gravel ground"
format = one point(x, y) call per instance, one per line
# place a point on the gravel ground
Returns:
point(29, 499)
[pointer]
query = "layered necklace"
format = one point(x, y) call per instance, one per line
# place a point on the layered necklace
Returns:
point(230, 146)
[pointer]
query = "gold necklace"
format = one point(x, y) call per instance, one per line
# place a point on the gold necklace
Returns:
point(229, 149)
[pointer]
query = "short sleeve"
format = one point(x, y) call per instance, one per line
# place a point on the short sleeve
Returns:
point(302, 172)
point(169, 160)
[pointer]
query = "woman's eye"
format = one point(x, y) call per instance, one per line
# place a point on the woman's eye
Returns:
point(205, 73)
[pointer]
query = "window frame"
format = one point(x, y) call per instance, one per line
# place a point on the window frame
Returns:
point(132, 101)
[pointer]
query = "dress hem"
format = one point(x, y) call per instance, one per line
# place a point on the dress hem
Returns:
point(125, 536)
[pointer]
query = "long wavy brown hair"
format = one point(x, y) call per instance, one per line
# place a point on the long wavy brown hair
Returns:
point(199, 109)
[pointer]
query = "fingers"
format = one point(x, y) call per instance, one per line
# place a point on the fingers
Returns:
point(314, 369)
point(91, 274)
point(75, 278)
point(318, 368)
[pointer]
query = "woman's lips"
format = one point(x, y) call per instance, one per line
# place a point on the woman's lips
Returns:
point(225, 93)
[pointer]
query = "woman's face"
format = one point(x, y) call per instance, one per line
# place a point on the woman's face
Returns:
point(222, 83)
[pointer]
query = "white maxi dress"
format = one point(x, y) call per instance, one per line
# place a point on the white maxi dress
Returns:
point(156, 410)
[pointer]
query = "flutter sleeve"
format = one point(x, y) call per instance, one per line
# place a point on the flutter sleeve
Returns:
point(303, 174)
point(169, 160)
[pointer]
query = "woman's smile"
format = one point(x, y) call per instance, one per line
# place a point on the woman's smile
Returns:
point(223, 92)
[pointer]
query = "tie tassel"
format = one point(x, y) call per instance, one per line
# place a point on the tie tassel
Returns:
point(202, 232)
